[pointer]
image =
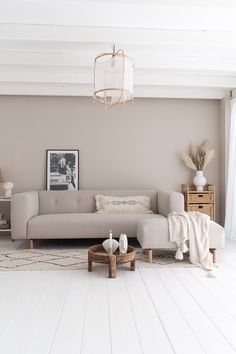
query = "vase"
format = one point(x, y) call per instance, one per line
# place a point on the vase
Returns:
point(199, 181)
point(110, 246)
point(8, 189)
point(123, 243)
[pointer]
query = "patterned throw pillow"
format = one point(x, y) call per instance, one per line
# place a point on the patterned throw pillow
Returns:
point(133, 204)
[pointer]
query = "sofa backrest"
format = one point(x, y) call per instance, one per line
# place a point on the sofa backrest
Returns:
point(83, 201)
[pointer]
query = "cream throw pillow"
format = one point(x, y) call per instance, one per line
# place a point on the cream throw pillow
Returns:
point(133, 204)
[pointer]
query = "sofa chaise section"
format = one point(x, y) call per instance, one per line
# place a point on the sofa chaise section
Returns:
point(153, 234)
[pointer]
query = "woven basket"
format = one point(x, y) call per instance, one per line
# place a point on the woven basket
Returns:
point(5, 226)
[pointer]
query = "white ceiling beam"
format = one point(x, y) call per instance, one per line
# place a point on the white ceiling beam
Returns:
point(148, 61)
point(185, 80)
point(10, 47)
point(211, 3)
point(143, 79)
point(44, 89)
point(106, 36)
point(180, 92)
point(113, 14)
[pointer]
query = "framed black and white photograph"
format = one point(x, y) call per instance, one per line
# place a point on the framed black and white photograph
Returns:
point(62, 170)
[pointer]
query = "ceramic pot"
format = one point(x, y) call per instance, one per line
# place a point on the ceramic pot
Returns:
point(123, 243)
point(199, 181)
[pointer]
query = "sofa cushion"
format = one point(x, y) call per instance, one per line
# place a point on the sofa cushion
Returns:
point(83, 201)
point(84, 225)
point(115, 204)
point(54, 202)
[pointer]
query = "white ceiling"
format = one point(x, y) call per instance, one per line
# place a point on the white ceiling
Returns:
point(181, 48)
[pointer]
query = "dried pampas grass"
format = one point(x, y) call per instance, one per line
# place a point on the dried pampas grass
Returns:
point(199, 157)
point(188, 161)
point(208, 157)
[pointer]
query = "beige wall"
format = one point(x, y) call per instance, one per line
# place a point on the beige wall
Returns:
point(136, 145)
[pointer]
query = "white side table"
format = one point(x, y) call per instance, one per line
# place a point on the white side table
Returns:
point(5, 200)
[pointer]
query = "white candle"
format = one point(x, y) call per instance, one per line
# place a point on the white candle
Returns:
point(110, 243)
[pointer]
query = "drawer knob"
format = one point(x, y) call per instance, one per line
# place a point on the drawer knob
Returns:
point(200, 195)
point(200, 206)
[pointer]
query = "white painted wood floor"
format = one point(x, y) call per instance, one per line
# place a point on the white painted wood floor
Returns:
point(164, 310)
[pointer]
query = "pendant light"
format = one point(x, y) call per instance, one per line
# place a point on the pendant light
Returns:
point(113, 78)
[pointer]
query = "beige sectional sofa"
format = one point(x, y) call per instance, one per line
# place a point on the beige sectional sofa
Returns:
point(71, 214)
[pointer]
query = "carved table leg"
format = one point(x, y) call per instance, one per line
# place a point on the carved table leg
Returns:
point(112, 267)
point(90, 265)
point(132, 265)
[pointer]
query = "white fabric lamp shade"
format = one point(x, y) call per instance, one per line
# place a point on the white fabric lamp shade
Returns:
point(113, 78)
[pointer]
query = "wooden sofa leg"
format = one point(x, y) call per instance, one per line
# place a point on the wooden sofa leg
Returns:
point(31, 244)
point(150, 255)
point(214, 253)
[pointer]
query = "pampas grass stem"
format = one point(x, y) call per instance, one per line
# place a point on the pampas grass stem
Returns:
point(198, 158)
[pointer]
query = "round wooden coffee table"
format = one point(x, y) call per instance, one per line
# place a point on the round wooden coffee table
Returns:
point(97, 254)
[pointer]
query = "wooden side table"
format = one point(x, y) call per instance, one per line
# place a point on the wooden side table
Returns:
point(5, 200)
point(203, 202)
point(97, 254)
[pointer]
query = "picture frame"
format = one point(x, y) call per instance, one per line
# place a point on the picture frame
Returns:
point(62, 169)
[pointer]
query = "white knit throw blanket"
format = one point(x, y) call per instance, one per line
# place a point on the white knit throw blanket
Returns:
point(192, 227)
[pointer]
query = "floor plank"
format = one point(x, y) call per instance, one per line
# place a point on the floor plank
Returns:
point(172, 319)
point(69, 333)
point(96, 334)
point(227, 279)
point(13, 294)
point(208, 335)
point(40, 336)
point(221, 318)
point(18, 326)
point(218, 291)
point(229, 259)
point(151, 333)
point(124, 335)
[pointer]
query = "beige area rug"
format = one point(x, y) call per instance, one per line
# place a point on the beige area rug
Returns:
point(69, 255)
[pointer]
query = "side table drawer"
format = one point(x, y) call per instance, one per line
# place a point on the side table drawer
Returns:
point(202, 208)
point(200, 198)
